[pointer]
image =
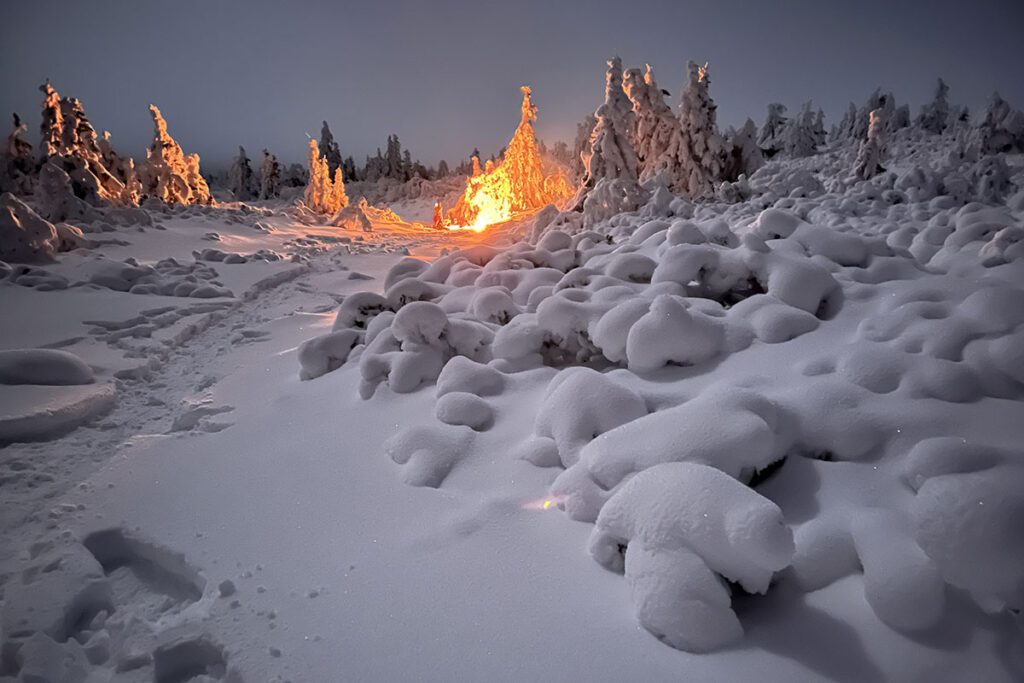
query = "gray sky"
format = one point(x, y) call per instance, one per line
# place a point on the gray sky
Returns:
point(444, 75)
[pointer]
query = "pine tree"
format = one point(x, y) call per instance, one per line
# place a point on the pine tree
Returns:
point(772, 137)
point(168, 174)
point(657, 133)
point(934, 116)
point(869, 157)
point(270, 176)
point(329, 148)
point(610, 182)
point(703, 152)
point(745, 155)
point(240, 177)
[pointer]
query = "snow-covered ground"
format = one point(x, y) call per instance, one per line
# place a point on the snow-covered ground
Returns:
point(792, 422)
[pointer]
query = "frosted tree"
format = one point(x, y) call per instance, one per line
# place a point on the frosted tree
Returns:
point(376, 168)
point(818, 129)
point(581, 146)
point(71, 142)
point(1002, 128)
point(240, 177)
point(869, 157)
point(168, 174)
point(393, 157)
point(744, 156)
point(349, 170)
point(878, 100)
point(703, 154)
point(324, 194)
point(270, 176)
point(799, 136)
point(442, 169)
point(16, 162)
point(610, 182)
point(329, 148)
point(934, 116)
point(51, 129)
point(657, 134)
point(844, 130)
point(773, 132)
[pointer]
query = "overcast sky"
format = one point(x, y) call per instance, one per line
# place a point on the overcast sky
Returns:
point(444, 75)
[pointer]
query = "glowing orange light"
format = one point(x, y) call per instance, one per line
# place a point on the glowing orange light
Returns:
point(514, 185)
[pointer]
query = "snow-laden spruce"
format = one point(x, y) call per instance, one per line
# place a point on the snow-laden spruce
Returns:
point(611, 179)
point(168, 174)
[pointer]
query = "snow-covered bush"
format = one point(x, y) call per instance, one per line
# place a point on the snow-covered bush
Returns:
point(676, 530)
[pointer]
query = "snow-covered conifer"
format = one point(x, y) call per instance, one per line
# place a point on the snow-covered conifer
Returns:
point(16, 162)
point(657, 136)
point(703, 152)
point(581, 146)
point(270, 176)
point(869, 157)
point(168, 174)
point(934, 116)
point(799, 136)
point(610, 183)
point(240, 177)
point(324, 194)
point(442, 169)
point(744, 155)
point(329, 148)
point(772, 136)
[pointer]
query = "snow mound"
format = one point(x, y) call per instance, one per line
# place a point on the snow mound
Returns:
point(674, 530)
point(427, 454)
point(43, 366)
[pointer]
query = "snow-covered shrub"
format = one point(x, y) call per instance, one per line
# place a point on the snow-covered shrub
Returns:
point(676, 530)
point(1002, 128)
point(579, 405)
point(966, 516)
point(25, 237)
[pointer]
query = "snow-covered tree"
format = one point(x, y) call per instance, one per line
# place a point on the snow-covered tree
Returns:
point(16, 162)
point(581, 147)
point(329, 148)
point(610, 182)
point(657, 133)
point(869, 157)
point(168, 174)
point(1002, 128)
point(744, 156)
point(296, 175)
point(703, 154)
point(800, 138)
point(240, 177)
point(934, 116)
point(393, 157)
point(442, 169)
point(324, 194)
point(270, 176)
point(818, 129)
point(844, 130)
point(773, 132)
point(71, 142)
point(348, 169)
point(51, 128)
point(900, 118)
